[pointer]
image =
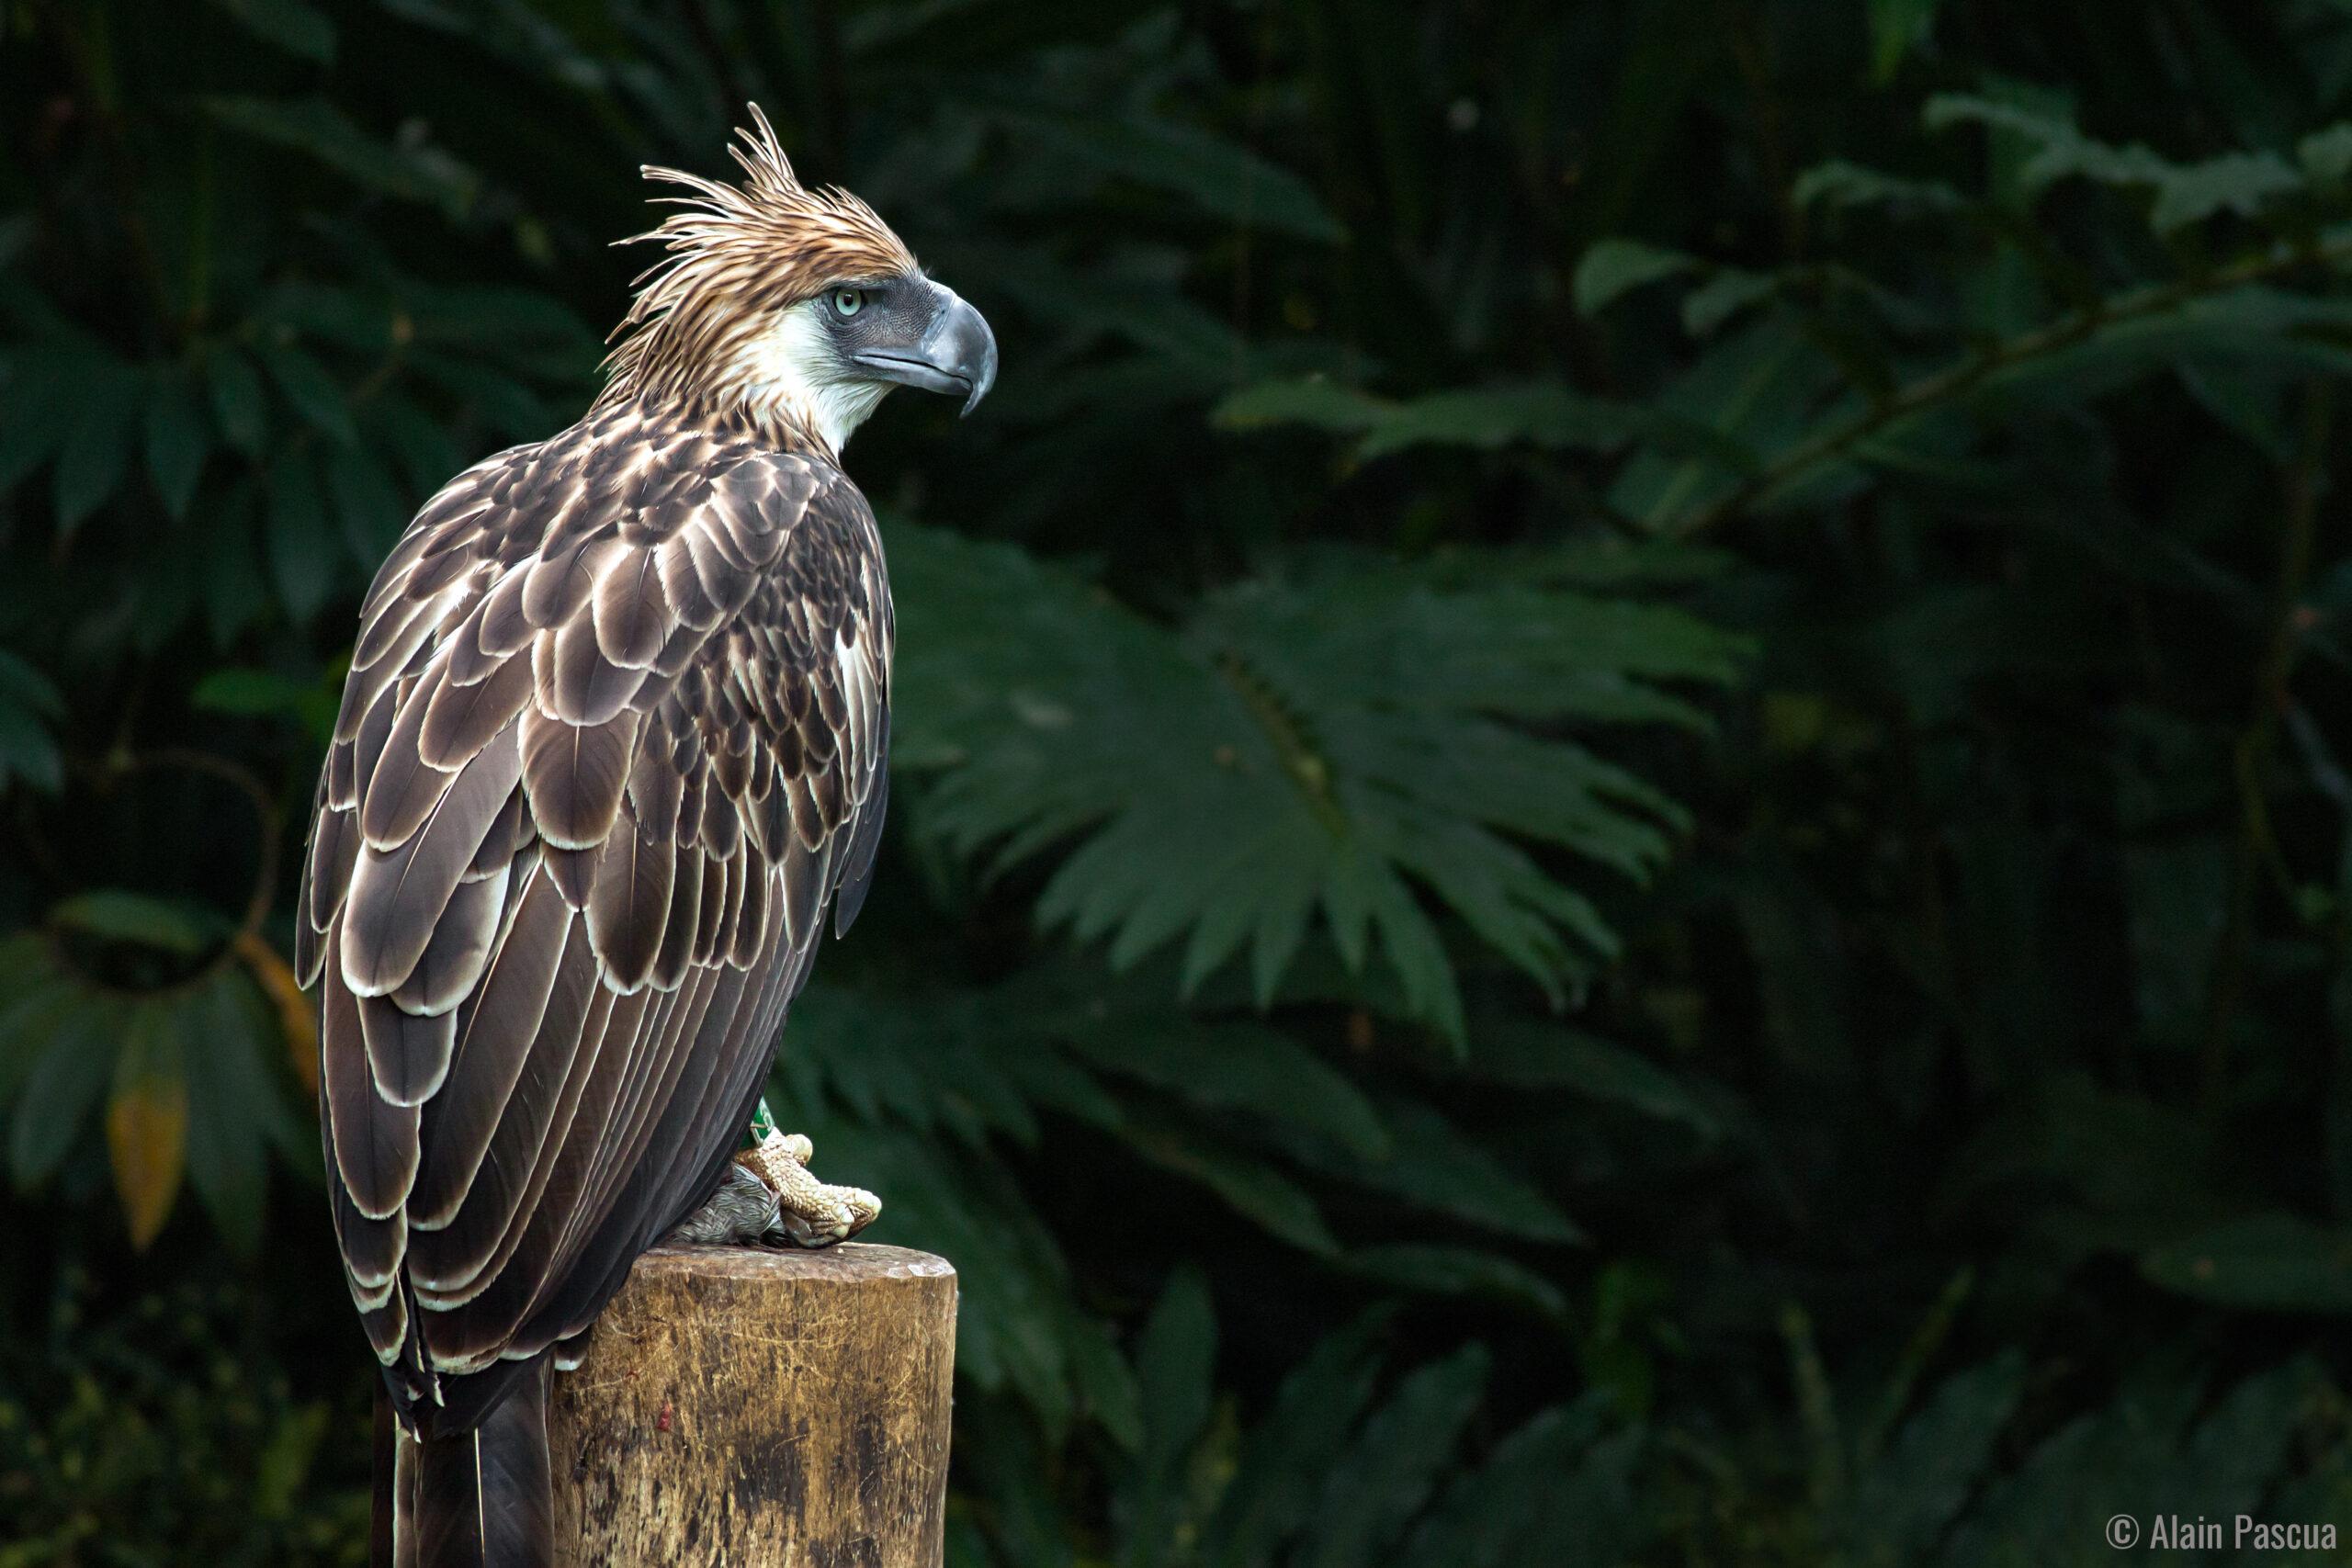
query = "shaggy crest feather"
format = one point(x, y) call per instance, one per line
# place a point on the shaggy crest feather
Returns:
point(740, 255)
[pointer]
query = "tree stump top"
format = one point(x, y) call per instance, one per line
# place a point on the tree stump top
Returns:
point(852, 1260)
point(761, 1409)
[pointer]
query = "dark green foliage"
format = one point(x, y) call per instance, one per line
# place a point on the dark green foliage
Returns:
point(1622, 825)
point(164, 1433)
point(1299, 748)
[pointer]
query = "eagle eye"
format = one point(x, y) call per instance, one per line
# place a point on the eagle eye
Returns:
point(848, 301)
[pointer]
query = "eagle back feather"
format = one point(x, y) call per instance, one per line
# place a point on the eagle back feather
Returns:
point(613, 737)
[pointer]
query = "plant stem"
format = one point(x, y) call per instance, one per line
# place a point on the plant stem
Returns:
point(1305, 766)
point(2258, 742)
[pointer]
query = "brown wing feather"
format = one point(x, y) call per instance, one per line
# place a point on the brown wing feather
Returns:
point(614, 736)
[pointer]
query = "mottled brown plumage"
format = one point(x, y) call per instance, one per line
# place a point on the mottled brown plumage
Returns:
point(613, 740)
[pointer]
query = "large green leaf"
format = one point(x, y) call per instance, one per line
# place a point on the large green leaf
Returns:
point(1396, 1463)
point(1230, 181)
point(1542, 413)
point(45, 387)
point(1416, 1269)
point(1338, 741)
point(239, 403)
point(177, 439)
point(1253, 1187)
point(1906, 1499)
point(1556, 1494)
point(300, 547)
point(53, 1112)
point(290, 25)
point(2274, 1262)
point(30, 704)
point(1438, 1168)
point(2242, 183)
point(1897, 27)
point(1532, 1055)
point(317, 128)
point(372, 509)
point(1611, 269)
point(312, 389)
point(1235, 1067)
point(236, 1110)
point(110, 914)
point(95, 454)
point(1285, 1460)
point(245, 690)
point(1174, 1363)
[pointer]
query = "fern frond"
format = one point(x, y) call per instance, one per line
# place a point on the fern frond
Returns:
point(1362, 741)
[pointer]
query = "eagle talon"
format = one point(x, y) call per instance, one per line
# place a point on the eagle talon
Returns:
point(808, 1213)
point(737, 1215)
point(768, 1197)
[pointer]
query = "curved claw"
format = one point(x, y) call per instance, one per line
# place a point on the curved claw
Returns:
point(809, 1212)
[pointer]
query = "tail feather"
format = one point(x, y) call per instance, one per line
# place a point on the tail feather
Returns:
point(399, 1526)
point(478, 1499)
point(518, 1484)
point(389, 1442)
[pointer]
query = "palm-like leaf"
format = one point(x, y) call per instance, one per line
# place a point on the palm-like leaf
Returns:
point(1343, 739)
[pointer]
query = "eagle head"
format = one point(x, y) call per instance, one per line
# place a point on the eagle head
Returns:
point(796, 308)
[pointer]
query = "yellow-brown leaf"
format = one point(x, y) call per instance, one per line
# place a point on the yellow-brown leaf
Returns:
point(147, 1123)
point(295, 1023)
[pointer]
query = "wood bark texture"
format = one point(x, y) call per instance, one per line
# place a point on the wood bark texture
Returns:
point(761, 1409)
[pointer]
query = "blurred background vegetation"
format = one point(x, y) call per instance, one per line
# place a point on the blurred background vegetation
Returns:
point(1623, 821)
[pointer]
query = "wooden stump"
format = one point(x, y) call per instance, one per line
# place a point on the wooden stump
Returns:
point(761, 1409)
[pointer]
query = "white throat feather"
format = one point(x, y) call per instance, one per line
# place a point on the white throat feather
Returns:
point(793, 371)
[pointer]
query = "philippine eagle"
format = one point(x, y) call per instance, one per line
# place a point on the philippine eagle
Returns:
point(612, 742)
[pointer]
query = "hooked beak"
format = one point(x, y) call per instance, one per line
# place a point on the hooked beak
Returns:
point(956, 353)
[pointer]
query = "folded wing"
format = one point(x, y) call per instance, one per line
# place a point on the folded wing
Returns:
point(613, 738)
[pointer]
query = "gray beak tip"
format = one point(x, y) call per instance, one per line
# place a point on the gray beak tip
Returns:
point(979, 359)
